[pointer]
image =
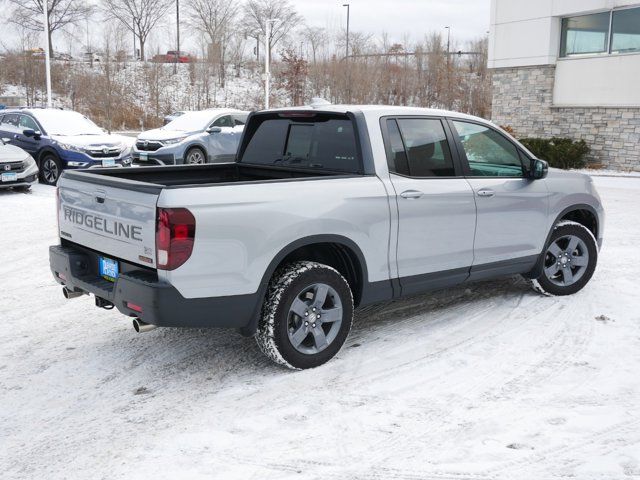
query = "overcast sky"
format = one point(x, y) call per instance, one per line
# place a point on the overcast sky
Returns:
point(468, 19)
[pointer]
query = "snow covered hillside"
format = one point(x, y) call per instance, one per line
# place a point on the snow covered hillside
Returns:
point(490, 381)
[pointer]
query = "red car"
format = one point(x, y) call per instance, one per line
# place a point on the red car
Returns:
point(178, 57)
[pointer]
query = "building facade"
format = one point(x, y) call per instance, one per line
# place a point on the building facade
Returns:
point(570, 68)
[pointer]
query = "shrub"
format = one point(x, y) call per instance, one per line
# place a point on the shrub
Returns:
point(559, 152)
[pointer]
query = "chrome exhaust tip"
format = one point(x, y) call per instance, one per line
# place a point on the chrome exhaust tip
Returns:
point(141, 327)
point(70, 294)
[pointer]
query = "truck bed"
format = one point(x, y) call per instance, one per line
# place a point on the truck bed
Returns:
point(153, 179)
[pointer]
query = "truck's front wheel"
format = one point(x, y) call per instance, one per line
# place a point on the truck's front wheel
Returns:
point(306, 315)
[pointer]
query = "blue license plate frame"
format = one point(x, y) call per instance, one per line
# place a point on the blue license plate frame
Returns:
point(109, 269)
point(10, 177)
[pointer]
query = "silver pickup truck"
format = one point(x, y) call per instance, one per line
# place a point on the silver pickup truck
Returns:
point(324, 211)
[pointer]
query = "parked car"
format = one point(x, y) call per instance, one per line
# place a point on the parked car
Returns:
point(174, 56)
point(205, 136)
point(18, 170)
point(172, 116)
point(324, 211)
point(92, 57)
point(63, 139)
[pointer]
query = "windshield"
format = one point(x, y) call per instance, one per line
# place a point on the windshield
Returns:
point(191, 121)
point(67, 123)
point(319, 142)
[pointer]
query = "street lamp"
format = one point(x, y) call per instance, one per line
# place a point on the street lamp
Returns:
point(47, 57)
point(175, 65)
point(267, 60)
point(448, 67)
point(347, 53)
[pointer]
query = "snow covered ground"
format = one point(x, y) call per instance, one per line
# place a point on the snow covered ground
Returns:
point(490, 381)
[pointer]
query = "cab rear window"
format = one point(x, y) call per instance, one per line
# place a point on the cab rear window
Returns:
point(316, 142)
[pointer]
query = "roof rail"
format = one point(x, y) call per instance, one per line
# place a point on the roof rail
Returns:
point(23, 107)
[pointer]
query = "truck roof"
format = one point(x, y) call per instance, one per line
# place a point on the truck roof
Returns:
point(382, 110)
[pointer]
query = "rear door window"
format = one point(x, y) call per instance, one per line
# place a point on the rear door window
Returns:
point(10, 119)
point(318, 142)
point(239, 120)
point(419, 148)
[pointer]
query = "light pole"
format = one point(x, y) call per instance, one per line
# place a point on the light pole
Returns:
point(177, 55)
point(267, 60)
point(347, 52)
point(448, 67)
point(47, 56)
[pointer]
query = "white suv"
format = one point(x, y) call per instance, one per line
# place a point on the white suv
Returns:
point(207, 136)
point(18, 169)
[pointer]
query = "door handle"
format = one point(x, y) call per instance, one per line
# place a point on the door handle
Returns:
point(411, 194)
point(485, 192)
point(16, 136)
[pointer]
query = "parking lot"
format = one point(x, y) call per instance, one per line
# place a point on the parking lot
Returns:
point(482, 381)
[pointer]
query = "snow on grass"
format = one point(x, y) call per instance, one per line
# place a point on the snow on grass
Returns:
point(605, 172)
point(480, 381)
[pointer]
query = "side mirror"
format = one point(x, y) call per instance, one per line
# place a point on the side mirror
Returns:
point(539, 169)
point(29, 132)
point(214, 130)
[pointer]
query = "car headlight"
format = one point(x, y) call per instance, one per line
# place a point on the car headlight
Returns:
point(72, 148)
point(173, 141)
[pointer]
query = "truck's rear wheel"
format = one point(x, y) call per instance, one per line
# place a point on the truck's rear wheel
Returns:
point(306, 315)
point(569, 260)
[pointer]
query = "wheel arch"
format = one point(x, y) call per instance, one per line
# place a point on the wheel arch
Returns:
point(200, 147)
point(45, 150)
point(582, 213)
point(337, 251)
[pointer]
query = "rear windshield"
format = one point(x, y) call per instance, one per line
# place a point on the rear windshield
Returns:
point(319, 142)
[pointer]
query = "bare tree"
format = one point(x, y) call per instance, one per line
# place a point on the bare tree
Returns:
point(257, 12)
point(138, 16)
point(29, 14)
point(215, 19)
point(315, 37)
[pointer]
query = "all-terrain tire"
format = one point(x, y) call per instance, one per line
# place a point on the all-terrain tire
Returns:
point(552, 284)
point(278, 320)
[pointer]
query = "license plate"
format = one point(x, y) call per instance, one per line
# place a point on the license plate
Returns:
point(144, 156)
point(108, 162)
point(108, 269)
point(9, 177)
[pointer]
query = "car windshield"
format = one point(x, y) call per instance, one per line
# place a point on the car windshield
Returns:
point(66, 123)
point(191, 121)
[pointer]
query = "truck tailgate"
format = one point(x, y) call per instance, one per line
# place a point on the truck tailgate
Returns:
point(117, 222)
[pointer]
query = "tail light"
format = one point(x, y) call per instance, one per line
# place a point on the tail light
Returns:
point(175, 234)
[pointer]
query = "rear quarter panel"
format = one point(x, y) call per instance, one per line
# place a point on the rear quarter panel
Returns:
point(240, 228)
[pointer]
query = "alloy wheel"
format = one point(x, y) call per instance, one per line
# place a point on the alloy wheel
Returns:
point(195, 157)
point(50, 170)
point(314, 319)
point(566, 260)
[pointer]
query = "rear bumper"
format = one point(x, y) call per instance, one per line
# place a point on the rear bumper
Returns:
point(161, 304)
